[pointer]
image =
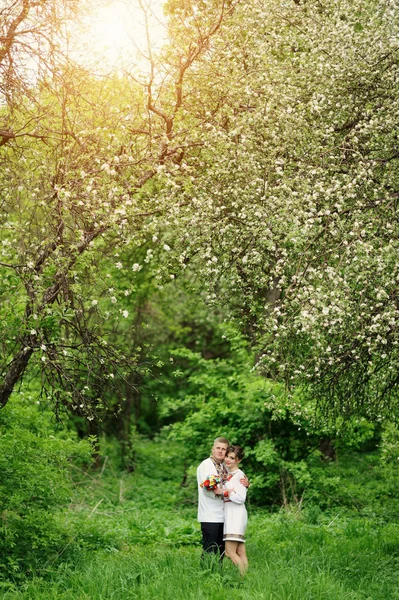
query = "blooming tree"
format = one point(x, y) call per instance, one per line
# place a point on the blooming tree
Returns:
point(297, 193)
point(262, 148)
point(83, 158)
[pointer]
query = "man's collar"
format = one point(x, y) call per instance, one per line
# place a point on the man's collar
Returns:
point(219, 462)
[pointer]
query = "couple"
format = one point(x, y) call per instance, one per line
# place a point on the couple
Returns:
point(221, 510)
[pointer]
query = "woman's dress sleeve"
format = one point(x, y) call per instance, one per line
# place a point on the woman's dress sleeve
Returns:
point(240, 491)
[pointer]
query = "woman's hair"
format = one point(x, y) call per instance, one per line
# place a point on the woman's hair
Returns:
point(238, 451)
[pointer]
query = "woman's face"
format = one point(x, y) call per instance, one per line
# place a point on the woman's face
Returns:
point(231, 461)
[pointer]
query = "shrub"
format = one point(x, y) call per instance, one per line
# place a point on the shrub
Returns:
point(35, 482)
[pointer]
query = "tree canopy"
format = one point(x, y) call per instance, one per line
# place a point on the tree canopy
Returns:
point(260, 148)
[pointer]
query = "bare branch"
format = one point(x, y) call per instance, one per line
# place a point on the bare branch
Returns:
point(8, 39)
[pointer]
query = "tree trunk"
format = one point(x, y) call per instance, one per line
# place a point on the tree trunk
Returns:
point(327, 449)
point(14, 373)
point(125, 431)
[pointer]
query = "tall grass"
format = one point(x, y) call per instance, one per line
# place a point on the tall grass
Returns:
point(136, 537)
point(289, 560)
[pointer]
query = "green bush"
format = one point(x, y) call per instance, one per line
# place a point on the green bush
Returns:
point(35, 482)
point(279, 432)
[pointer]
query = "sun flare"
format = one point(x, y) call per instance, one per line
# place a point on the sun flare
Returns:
point(117, 32)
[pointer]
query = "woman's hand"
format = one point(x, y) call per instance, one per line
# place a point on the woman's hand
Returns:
point(218, 491)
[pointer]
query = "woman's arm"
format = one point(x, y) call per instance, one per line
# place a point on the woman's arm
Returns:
point(238, 493)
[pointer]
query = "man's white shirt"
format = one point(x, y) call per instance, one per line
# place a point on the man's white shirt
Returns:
point(210, 506)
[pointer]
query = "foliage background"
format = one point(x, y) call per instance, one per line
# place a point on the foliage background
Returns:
point(207, 247)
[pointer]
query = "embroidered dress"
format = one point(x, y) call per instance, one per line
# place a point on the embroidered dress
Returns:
point(235, 513)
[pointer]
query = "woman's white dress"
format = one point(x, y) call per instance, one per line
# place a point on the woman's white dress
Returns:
point(235, 513)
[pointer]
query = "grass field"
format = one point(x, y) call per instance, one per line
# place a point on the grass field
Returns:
point(289, 560)
point(136, 536)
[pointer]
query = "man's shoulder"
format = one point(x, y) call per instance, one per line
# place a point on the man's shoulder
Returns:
point(207, 462)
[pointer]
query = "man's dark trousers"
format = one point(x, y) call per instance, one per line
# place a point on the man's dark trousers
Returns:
point(212, 538)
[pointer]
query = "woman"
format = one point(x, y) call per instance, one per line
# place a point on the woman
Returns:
point(235, 513)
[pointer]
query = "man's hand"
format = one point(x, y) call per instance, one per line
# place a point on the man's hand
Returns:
point(245, 481)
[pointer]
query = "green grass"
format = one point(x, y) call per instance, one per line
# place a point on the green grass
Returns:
point(136, 536)
point(289, 560)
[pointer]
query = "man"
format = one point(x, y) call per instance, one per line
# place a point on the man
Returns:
point(210, 503)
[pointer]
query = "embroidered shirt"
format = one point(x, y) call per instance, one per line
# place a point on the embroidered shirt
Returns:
point(210, 505)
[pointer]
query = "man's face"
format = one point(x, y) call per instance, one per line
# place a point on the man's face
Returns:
point(219, 451)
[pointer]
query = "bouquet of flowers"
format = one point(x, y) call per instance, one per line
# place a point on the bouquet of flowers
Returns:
point(211, 482)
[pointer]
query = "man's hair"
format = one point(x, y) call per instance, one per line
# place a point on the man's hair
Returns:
point(221, 440)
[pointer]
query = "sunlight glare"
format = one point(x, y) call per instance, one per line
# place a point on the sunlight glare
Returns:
point(117, 33)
